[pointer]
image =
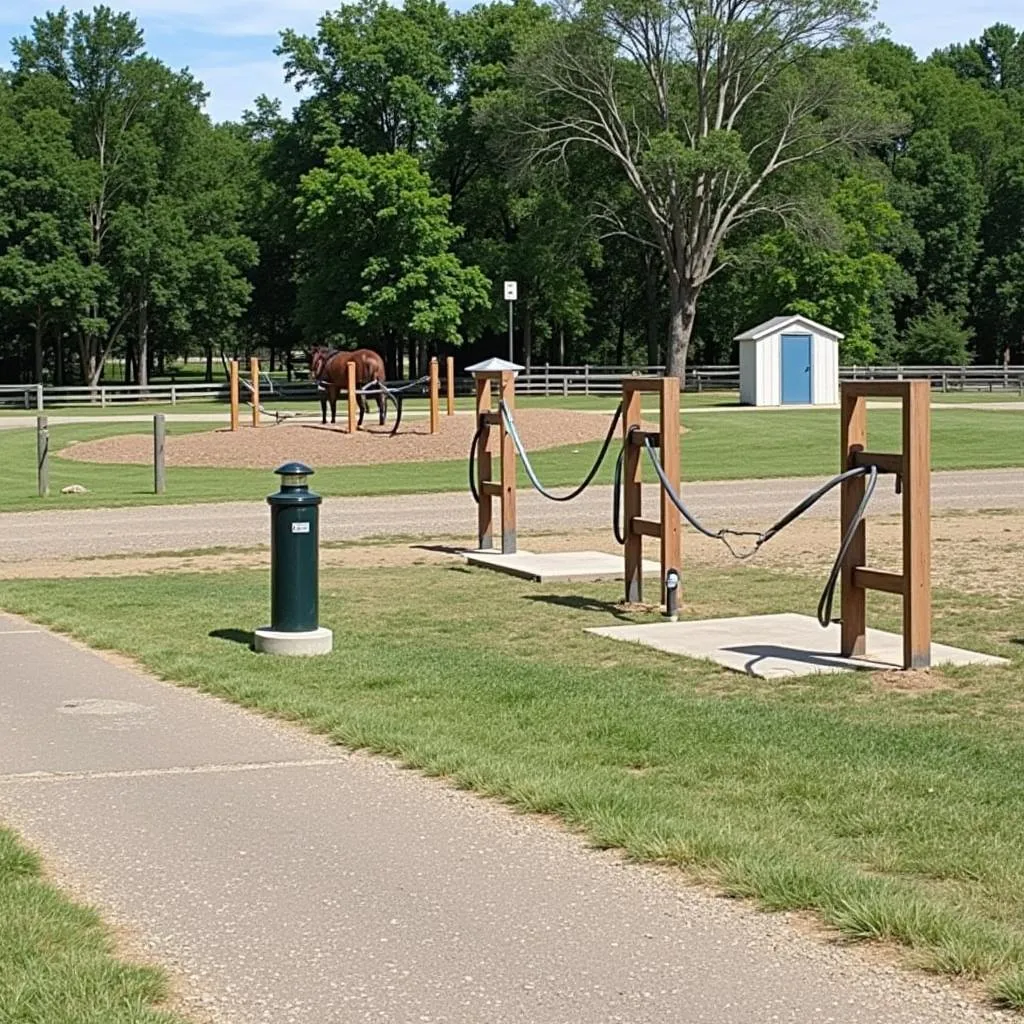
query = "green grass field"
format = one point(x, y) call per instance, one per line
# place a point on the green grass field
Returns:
point(754, 444)
point(893, 814)
point(57, 964)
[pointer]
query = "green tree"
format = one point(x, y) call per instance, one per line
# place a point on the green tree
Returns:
point(936, 338)
point(706, 108)
point(377, 260)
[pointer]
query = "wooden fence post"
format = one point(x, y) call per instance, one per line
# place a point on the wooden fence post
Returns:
point(353, 398)
point(233, 365)
point(449, 381)
point(159, 475)
point(43, 455)
point(254, 373)
point(508, 468)
point(435, 388)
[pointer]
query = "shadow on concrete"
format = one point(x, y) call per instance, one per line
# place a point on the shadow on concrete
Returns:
point(764, 652)
point(581, 604)
point(236, 636)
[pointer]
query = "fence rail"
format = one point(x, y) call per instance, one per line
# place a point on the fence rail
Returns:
point(538, 380)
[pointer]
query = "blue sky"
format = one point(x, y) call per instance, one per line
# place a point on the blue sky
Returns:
point(229, 45)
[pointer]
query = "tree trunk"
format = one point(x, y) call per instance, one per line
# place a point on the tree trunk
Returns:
point(58, 368)
point(682, 298)
point(561, 344)
point(653, 341)
point(209, 364)
point(527, 336)
point(38, 352)
point(620, 345)
point(142, 365)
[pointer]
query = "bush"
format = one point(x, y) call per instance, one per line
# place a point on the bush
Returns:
point(938, 338)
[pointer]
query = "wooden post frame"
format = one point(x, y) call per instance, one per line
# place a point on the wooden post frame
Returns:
point(504, 489)
point(353, 398)
point(912, 467)
point(254, 375)
point(233, 374)
point(435, 389)
point(668, 527)
point(449, 385)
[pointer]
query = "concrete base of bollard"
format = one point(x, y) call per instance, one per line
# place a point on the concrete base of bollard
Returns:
point(272, 641)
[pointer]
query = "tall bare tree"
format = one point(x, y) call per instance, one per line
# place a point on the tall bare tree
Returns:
point(707, 107)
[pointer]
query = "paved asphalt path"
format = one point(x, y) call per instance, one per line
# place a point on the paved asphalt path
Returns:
point(286, 880)
point(95, 532)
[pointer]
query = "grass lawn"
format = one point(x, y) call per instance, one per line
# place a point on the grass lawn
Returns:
point(56, 958)
point(715, 447)
point(892, 812)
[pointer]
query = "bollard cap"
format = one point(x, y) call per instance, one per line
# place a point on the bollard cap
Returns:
point(294, 474)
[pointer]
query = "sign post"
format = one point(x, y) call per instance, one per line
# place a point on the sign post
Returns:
point(511, 294)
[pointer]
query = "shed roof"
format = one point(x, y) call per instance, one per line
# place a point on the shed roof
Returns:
point(784, 323)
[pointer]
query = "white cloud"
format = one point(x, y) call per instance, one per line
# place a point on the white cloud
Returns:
point(233, 87)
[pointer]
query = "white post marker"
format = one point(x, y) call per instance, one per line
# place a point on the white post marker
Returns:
point(511, 294)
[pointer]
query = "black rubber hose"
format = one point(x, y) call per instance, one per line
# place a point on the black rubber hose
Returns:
point(514, 434)
point(617, 526)
point(829, 593)
point(473, 489)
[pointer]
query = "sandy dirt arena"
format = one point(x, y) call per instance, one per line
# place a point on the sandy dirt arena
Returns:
point(266, 447)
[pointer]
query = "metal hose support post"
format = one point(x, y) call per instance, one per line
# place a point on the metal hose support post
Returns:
point(510, 426)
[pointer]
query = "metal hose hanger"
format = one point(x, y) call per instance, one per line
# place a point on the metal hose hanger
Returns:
point(828, 594)
point(510, 426)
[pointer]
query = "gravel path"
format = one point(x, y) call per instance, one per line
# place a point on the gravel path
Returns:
point(286, 880)
point(75, 533)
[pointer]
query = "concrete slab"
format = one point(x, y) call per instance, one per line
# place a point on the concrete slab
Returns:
point(295, 645)
point(559, 566)
point(776, 646)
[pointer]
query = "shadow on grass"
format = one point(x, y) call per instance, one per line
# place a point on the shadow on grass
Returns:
point(582, 604)
point(236, 636)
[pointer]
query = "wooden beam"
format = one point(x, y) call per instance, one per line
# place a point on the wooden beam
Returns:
point(638, 437)
point(508, 469)
point(254, 374)
point(645, 527)
point(650, 385)
point(878, 579)
point(886, 462)
point(671, 526)
point(880, 388)
point(853, 601)
point(353, 398)
point(917, 597)
point(490, 488)
point(484, 458)
point(632, 494)
point(449, 385)
point(234, 393)
point(435, 396)
point(492, 419)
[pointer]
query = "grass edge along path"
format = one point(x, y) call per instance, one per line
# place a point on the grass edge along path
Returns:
point(757, 445)
point(869, 809)
point(58, 960)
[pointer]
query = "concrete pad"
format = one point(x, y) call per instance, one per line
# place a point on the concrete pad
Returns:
point(305, 644)
point(559, 566)
point(776, 646)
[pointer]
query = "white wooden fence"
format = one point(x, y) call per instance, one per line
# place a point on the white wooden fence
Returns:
point(538, 380)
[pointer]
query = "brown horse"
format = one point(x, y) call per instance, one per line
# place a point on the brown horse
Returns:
point(330, 370)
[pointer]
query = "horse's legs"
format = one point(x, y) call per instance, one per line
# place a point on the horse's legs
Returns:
point(332, 393)
point(362, 412)
point(323, 407)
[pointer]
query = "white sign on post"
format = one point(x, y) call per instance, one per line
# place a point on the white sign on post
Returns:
point(511, 291)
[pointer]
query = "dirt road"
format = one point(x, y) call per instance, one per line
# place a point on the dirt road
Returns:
point(96, 532)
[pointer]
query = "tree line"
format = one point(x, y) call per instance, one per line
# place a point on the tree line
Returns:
point(656, 177)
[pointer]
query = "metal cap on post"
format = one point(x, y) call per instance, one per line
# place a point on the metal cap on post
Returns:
point(294, 568)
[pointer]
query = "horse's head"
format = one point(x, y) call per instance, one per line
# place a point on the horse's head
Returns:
point(317, 361)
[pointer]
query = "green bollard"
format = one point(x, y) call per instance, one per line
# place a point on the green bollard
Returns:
point(294, 568)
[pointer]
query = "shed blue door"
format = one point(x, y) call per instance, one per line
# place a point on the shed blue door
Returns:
point(796, 369)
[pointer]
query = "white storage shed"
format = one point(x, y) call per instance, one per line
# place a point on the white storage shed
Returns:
point(789, 360)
